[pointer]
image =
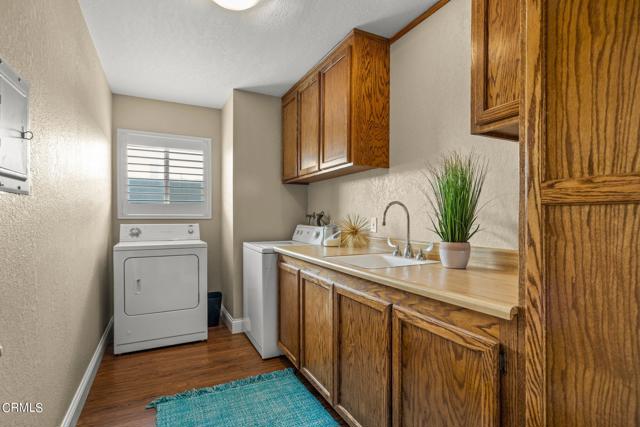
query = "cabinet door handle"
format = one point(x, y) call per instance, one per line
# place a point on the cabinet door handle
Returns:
point(138, 286)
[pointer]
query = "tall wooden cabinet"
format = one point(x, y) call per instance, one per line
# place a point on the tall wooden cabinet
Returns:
point(495, 68)
point(342, 121)
point(582, 251)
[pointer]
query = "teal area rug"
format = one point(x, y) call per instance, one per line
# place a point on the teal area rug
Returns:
point(276, 399)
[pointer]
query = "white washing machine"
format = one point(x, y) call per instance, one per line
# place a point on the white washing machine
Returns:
point(160, 286)
point(260, 287)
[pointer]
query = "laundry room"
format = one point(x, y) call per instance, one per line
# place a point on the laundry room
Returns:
point(367, 213)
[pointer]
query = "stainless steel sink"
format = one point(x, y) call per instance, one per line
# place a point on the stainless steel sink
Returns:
point(372, 261)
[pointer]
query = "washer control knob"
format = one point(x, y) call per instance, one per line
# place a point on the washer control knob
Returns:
point(135, 232)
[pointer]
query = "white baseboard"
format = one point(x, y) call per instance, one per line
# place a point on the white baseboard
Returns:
point(236, 326)
point(77, 403)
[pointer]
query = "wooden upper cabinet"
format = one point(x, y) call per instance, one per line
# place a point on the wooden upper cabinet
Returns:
point(289, 312)
point(336, 93)
point(316, 355)
point(495, 68)
point(289, 137)
point(442, 376)
point(309, 97)
point(363, 358)
point(350, 88)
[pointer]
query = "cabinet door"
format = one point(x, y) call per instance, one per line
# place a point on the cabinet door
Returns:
point(290, 137)
point(316, 356)
point(442, 375)
point(495, 41)
point(363, 359)
point(309, 96)
point(289, 312)
point(335, 83)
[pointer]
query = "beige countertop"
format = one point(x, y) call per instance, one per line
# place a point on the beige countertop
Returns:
point(492, 291)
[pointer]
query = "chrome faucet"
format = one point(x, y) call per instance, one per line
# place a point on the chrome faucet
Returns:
point(407, 252)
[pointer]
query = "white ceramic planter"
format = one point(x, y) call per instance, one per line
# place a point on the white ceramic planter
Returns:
point(455, 255)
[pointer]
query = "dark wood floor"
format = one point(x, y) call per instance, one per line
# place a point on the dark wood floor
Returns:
point(125, 384)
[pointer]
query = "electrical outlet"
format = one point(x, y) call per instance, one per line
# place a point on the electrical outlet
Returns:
point(373, 225)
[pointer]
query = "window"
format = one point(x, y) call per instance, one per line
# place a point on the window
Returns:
point(163, 176)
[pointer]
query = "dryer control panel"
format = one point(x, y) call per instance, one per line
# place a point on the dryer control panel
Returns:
point(158, 232)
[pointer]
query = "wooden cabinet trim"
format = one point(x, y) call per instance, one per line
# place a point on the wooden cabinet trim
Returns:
point(348, 39)
point(592, 190)
point(501, 112)
point(335, 57)
point(314, 278)
point(361, 297)
point(417, 20)
point(289, 355)
point(288, 267)
point(324, 392)
point(445, 330)
point(489, 352)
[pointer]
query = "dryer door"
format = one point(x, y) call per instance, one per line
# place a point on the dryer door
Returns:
point(160, 283)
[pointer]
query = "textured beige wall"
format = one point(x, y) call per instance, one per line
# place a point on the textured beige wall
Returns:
point(179, 119)
point(54, 243)
point(227, 252)
point(263, 208)
point(430, 115)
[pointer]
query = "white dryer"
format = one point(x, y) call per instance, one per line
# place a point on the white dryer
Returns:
point(160, 286)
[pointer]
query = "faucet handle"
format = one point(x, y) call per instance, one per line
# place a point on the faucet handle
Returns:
point(420, 254)
point(408, 251)
point(396, 248)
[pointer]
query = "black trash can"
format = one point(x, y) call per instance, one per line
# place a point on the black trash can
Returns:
point(214, 300)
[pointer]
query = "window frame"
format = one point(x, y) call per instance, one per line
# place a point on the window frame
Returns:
point(128, 210)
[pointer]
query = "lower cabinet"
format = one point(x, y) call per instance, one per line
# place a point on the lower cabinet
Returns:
point(363, 358)
point(289, 312)
point(383, 358)
point(442, 375)
point(316, 353)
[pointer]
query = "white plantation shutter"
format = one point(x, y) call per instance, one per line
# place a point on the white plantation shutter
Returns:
point(163, 176)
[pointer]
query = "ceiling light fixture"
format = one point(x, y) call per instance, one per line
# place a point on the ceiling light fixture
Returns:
point(236, 4)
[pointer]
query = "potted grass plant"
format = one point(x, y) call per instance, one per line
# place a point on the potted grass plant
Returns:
point(455, 186)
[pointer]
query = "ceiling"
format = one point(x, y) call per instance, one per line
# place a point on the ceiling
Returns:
point(195, 52)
